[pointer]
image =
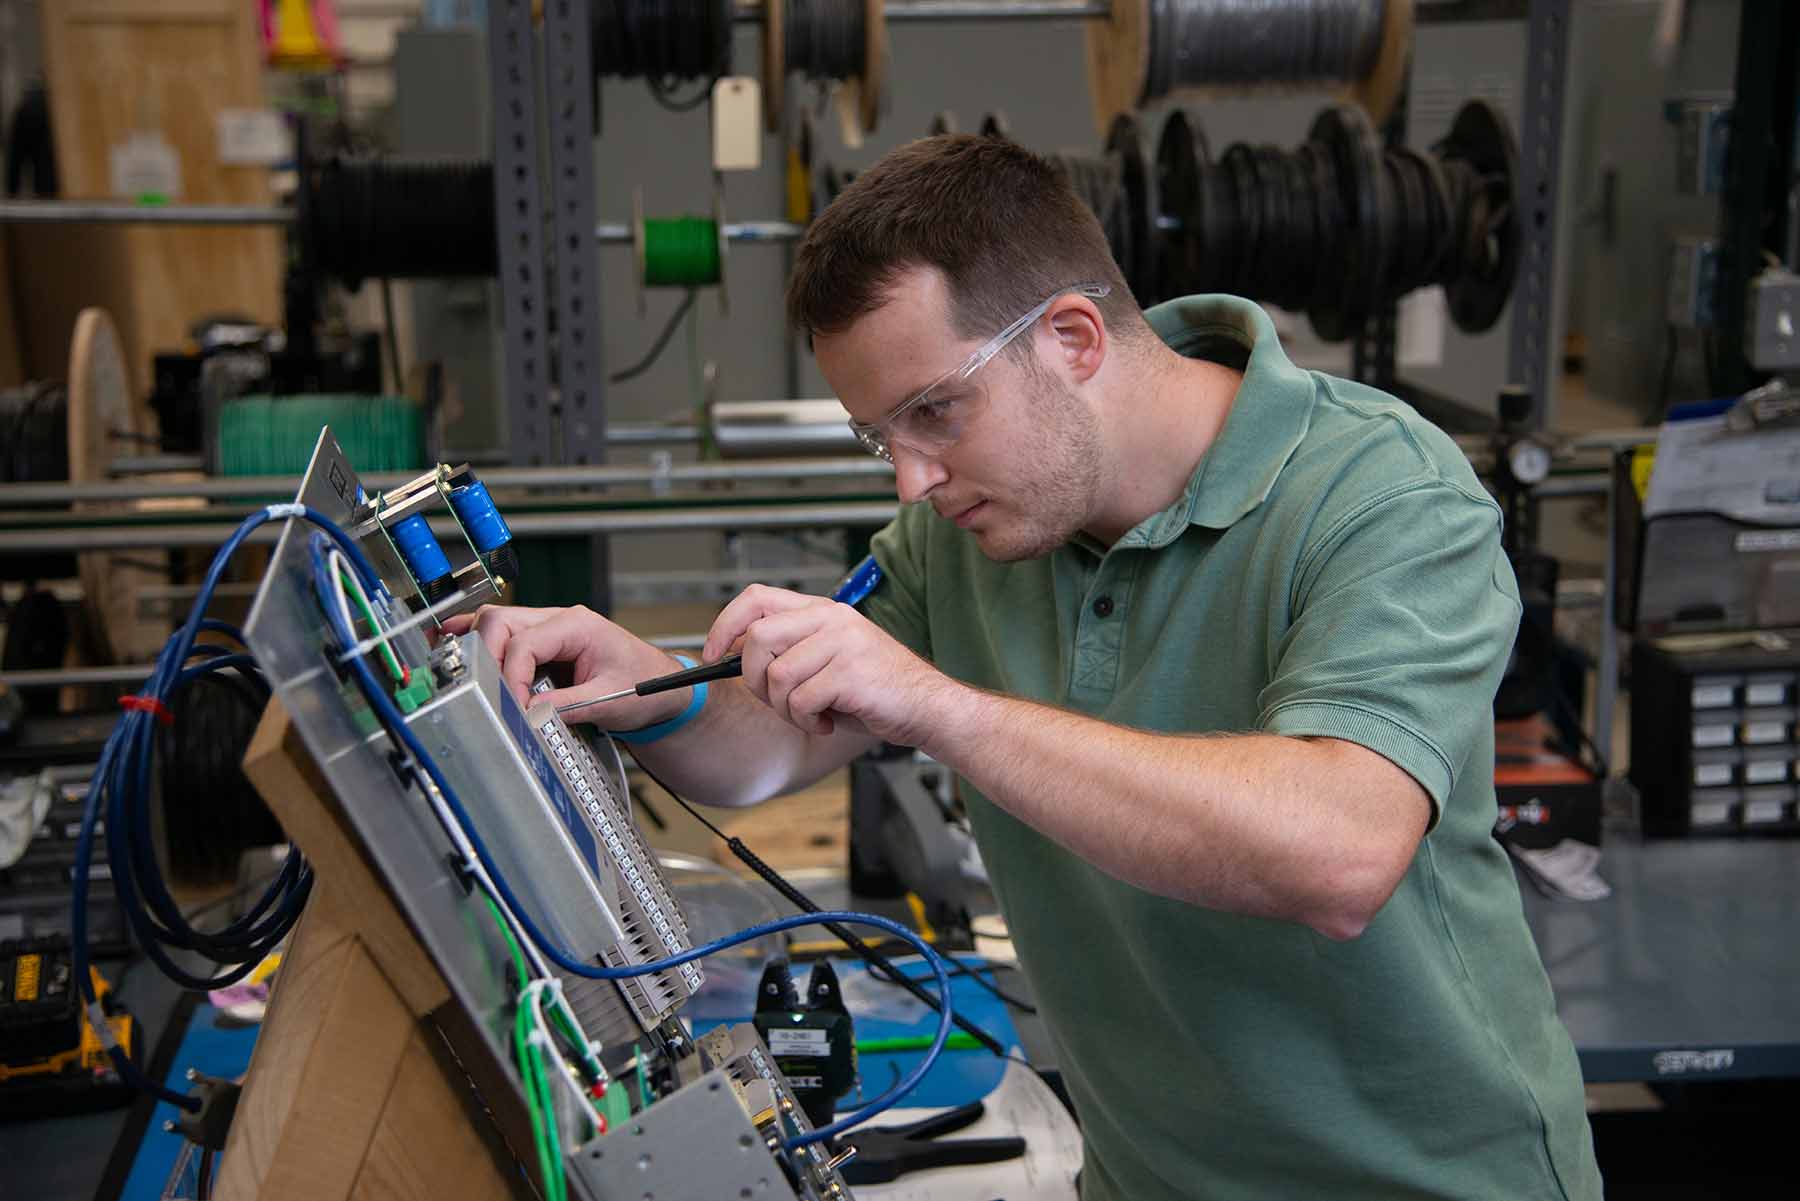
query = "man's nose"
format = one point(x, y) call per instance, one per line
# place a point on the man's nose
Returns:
point(915, 475)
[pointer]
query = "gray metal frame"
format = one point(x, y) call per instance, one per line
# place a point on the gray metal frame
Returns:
point(569, 95)
point(518, 220)
point(1530, 359)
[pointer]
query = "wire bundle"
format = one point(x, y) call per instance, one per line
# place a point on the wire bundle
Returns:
point(274, 435)
point(665, 43)
point(1204, 43)
point(374, 219)
point(826, 39)
point(122, 792)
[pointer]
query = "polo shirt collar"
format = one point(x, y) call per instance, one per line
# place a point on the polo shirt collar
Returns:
point(1268, 418)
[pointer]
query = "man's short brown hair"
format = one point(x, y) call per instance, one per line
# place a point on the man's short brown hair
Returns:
point(999, 222)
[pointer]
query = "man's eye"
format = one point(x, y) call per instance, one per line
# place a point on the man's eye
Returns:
point(933, 412)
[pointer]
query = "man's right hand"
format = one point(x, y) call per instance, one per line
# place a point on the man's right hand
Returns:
point(605, 657)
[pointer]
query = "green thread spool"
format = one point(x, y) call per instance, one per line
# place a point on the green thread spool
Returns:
point(275, 435)
point(681, 252)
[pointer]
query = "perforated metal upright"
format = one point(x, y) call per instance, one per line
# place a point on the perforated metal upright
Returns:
point(1529, 360)
point(548, 263)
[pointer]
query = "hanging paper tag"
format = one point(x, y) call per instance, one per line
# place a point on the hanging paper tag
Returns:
point(145, 169)
point(737, 124)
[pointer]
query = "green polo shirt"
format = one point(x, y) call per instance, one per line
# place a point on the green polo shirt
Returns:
point(1333, 568)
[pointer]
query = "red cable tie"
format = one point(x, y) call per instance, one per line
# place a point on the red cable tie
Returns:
point(148, 704)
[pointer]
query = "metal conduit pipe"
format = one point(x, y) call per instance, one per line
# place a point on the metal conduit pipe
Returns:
point(526, 525)
point(609, 476)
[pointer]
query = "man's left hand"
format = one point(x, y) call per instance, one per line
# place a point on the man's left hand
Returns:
point(819, 664)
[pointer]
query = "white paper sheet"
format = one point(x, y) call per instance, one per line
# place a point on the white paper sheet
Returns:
point(1022, 1105)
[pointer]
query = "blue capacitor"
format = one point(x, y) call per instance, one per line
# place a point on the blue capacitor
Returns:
point(487, 529)
point(419, 547)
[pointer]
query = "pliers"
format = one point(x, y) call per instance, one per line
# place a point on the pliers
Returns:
point(885, 1153)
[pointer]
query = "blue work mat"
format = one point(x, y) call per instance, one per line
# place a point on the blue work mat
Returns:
point(959, 1076)
point(209, 1048)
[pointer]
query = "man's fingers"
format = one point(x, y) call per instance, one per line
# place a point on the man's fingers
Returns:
point(771, 637)
point(792, 668)
point(812, 704)
point(566, 636)
point(746, 609)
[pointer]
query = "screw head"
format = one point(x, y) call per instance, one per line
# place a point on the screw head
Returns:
point(168, 1126)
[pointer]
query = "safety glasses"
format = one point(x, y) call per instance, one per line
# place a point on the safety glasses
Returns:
point(930, 422)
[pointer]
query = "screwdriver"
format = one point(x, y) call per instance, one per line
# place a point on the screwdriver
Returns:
point(727, 668)
point(852, 590)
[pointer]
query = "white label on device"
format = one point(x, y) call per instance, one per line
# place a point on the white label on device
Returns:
point(1765, 731)
point(1762, 541)
point(1762, 811)
point(1712, 813)
point(1713, 735)
point(1766, 771)
point(251, 137)
point(1712, 696)
point(1772, 692)
point(145, 166)
point(803, 1041)
point(1711, 775)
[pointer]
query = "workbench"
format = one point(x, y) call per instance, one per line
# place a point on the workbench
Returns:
point(1690, 970)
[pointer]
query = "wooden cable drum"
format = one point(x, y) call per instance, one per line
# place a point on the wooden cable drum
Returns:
point(1149, 49)
point(100, 416)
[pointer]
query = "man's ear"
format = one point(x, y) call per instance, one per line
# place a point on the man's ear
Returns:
point(1081, 338)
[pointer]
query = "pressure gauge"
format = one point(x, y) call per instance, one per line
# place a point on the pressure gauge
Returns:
point(1529, 461)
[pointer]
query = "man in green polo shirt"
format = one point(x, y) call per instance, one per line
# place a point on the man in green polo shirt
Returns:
point(1212, 643)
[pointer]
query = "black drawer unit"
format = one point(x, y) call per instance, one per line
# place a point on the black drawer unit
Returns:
point(1715, 738)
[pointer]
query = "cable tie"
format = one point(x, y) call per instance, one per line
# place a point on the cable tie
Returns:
point(145, 703)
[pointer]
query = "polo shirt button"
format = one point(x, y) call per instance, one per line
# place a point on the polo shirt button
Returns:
point(1103, 606)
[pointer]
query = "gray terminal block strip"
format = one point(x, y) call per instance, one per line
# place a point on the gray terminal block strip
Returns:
point(652, 923)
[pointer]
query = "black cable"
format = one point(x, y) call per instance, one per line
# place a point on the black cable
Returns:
point(203, 1182)
point(961, 968)
point(869, 955)
point(657, 347)
point(378, 219)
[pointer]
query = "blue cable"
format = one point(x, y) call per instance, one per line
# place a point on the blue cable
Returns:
point(122, 784)
point(395, 723)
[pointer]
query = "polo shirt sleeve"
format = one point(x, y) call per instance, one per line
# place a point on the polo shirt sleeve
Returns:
point(1404, 613)
point(898, 604)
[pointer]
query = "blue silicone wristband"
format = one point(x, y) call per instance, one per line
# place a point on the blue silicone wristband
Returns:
point(663, 729)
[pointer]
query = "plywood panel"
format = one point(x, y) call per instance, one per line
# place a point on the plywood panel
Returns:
point(116, 67)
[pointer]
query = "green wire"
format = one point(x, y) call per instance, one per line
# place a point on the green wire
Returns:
point(362, 602)
point(531, 1071)
point(643, 1077)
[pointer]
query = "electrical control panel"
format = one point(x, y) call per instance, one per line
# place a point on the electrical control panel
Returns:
point(553, 821)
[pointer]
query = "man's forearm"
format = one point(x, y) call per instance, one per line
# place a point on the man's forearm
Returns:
point(737, 752)
point(1313, 831)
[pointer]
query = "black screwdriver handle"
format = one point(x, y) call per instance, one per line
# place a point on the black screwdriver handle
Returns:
point(727, 668)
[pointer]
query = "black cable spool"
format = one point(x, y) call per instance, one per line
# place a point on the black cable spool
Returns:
point(666, 42)
point(211, 812)
point(378, 219)
point(1481, 144)
point(826, 39)
point(1354, 151)
point(37, 639)
point(1297, 178)
point(1181, 150)
point(34, 447)
point(1137, 183)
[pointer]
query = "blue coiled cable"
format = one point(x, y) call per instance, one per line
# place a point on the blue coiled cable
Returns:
point(122, 788)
